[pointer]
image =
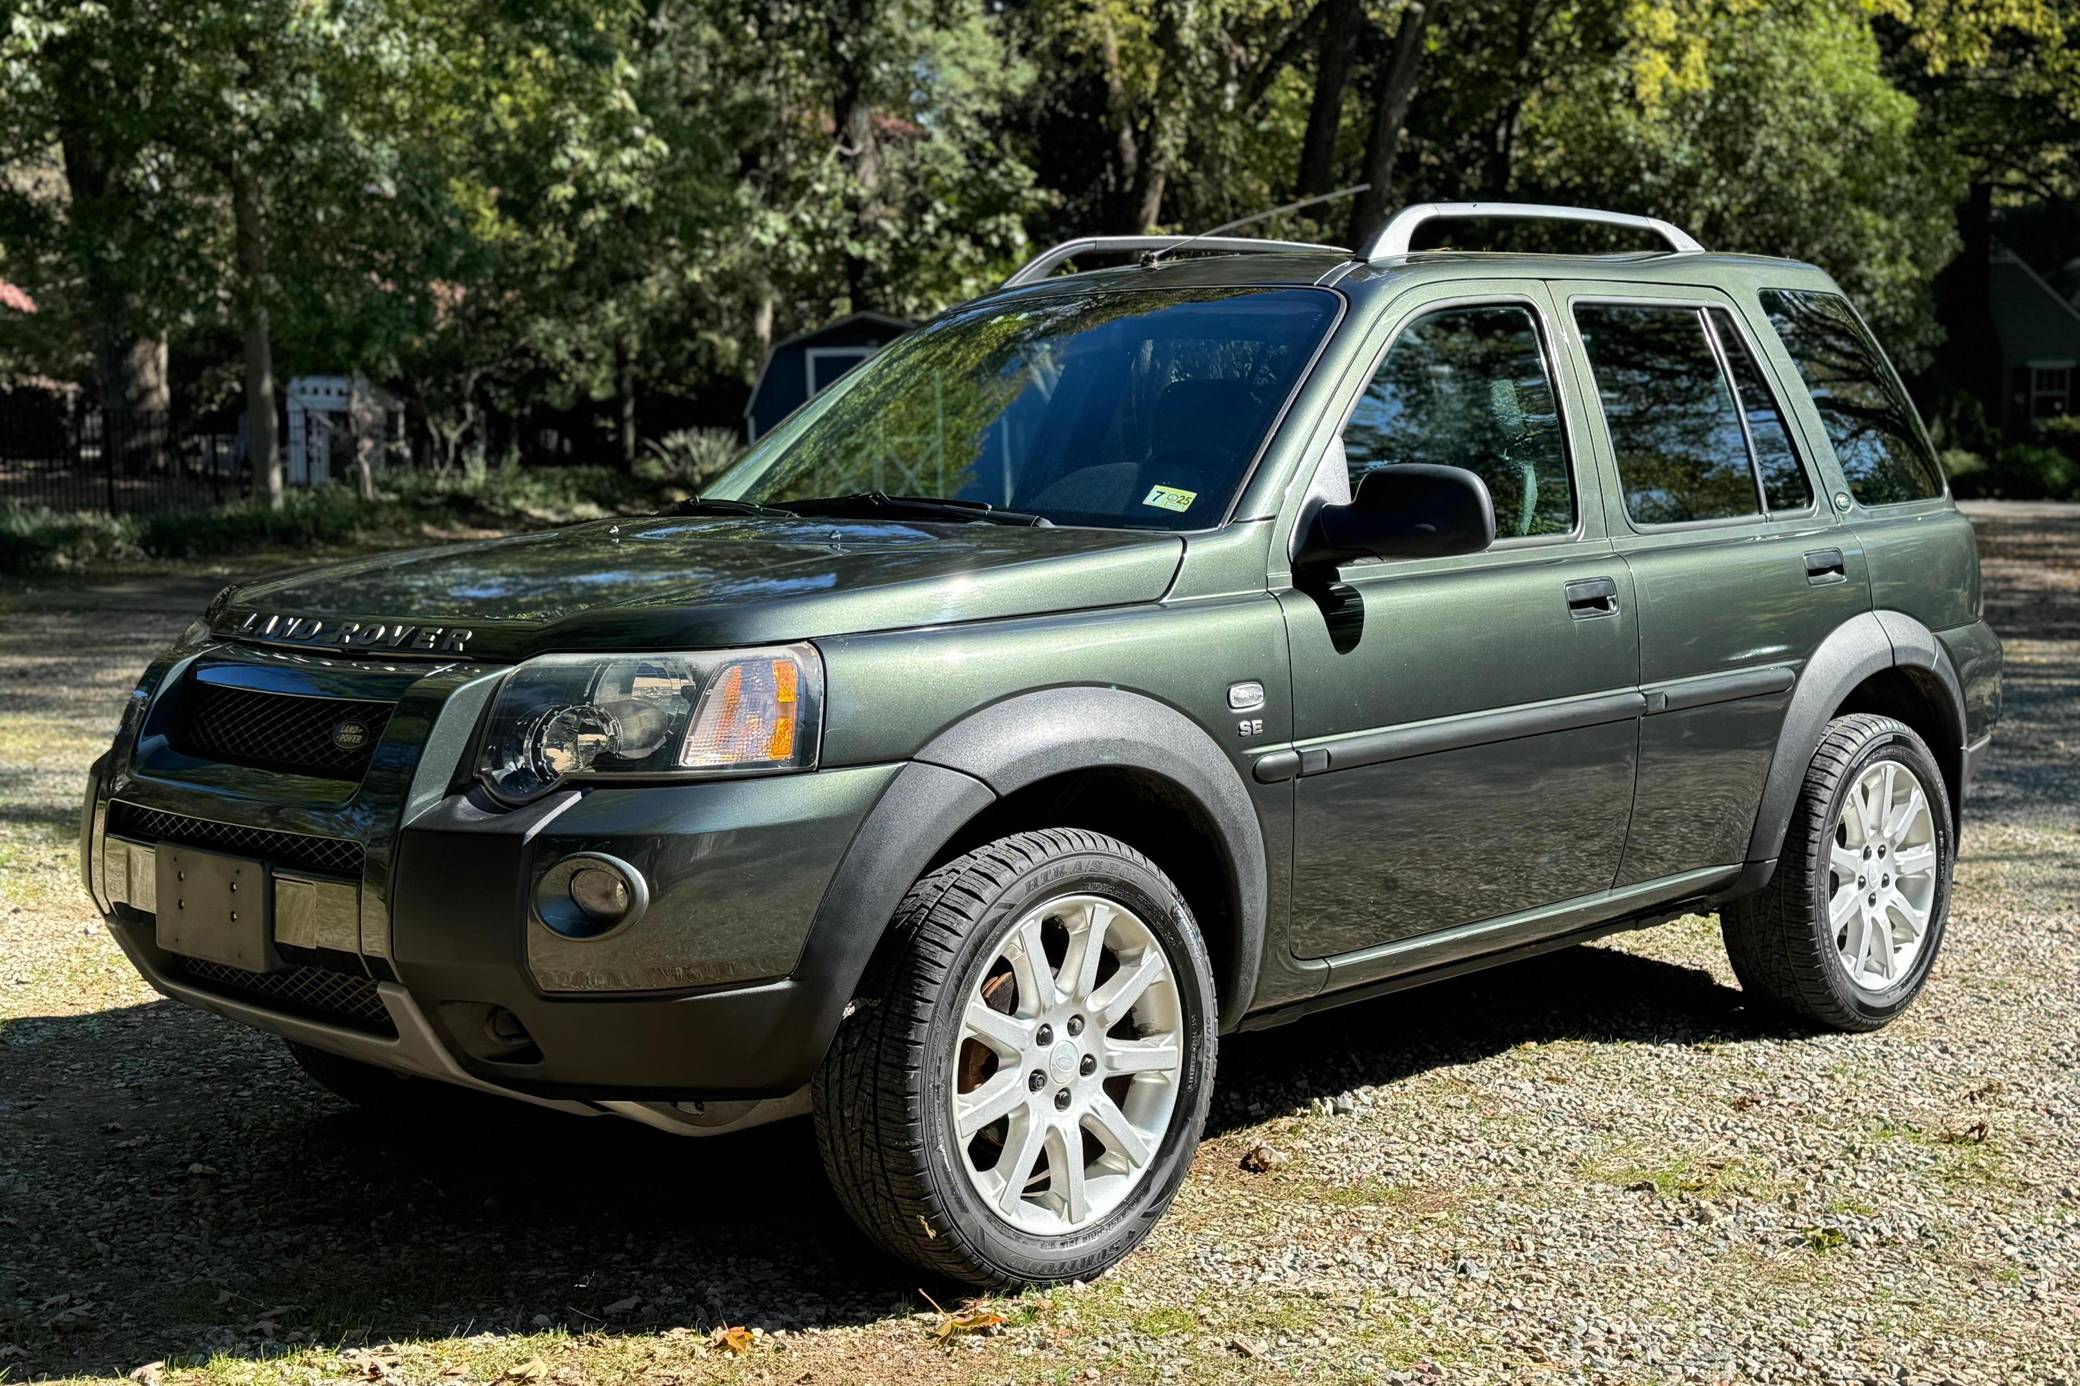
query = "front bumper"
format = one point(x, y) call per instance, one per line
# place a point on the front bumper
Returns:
point(705, 1011)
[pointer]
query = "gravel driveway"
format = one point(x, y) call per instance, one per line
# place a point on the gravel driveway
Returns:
point(1599, 1165)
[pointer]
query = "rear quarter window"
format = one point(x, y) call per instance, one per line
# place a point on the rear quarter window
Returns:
point(1881, 448)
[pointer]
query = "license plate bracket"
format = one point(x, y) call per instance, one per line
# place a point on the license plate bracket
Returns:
point(216, 908)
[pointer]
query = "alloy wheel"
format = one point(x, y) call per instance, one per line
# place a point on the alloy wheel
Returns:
point(1067, 1064)
point(1882, 876)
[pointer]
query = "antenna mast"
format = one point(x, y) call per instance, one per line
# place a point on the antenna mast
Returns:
point(1151, 258)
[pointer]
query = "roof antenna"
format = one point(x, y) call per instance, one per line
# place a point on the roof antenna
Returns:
point(1151, 258)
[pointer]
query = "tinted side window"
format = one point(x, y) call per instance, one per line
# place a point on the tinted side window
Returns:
point(1469, 387)
point(1673, 424)
point(1784, 484)
point(1866, 413)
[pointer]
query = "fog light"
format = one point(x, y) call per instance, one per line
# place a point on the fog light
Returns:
point(601, 893)
point(589, 895)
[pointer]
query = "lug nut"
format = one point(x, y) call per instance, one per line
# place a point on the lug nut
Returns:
point(1860, 883)
point(1874, 897)
point(1061, 1100)
point(1046, 1035)
point(1075, 1025)
point(1037, 1081)
point(1881, 851)
point(1866, 851)
point(1088, 1066)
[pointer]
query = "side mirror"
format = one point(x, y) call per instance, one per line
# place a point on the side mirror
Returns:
point(1408, 510)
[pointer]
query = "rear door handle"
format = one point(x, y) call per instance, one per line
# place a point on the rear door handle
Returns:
point(1588, 598)
point(1825, 565)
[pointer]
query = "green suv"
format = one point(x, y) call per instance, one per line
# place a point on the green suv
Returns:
point(1121, 660)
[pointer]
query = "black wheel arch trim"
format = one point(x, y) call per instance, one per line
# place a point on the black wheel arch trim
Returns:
point(1037, 736)
point(1866, 644)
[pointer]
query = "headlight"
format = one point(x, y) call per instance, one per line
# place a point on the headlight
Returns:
point(561, 718)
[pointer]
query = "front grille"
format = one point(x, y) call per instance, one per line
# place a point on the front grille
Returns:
point(350, 998)
point(299, 851)
point(279, 731)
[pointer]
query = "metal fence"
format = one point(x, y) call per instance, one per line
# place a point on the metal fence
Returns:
point(58, 454)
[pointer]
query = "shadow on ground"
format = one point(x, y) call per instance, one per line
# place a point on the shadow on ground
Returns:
point(174, 1188)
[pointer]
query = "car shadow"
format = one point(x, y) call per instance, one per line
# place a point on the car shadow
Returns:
point(1595, 994)
point(171, 1186)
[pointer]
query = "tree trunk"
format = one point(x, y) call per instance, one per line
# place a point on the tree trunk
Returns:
point(1970, 356)
point(249, 230)
point(859, 144)
point(129, 364)
point(1119, 108)
point(1332, 74)
point(1145, 203)
point(625, 402)
point(1396, 90)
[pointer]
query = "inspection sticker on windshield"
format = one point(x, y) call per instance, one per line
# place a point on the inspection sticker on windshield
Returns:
point(1169, 498)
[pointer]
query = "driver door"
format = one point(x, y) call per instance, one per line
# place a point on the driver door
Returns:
point(1467, 727)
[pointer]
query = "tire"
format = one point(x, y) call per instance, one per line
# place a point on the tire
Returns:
point(886, 1095)
point(364, 1085)
point(1785, 944)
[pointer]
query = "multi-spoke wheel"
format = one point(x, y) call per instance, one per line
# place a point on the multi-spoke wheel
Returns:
point(1066, 1064)
point(1022, 1095)
point(1847, 929)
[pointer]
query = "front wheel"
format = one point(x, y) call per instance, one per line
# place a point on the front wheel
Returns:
point(1023, 1085)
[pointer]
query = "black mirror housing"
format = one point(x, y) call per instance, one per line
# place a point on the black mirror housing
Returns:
point(1407, 510)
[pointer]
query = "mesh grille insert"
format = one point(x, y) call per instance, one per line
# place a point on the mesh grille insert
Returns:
point(332, 737)
point(300, 851)
point(350, 998)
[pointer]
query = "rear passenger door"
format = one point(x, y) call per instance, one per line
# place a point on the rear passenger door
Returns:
point(1739, 565)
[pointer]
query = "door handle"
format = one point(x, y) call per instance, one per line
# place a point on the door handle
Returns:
point(1825, 565)
point(1588, 598)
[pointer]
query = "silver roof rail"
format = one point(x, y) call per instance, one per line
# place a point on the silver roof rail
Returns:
point(1395, 236)
point(1045, 263)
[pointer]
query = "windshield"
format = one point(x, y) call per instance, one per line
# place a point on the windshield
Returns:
point(1139, 409)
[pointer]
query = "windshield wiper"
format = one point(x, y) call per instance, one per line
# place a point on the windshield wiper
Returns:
point(924, 507)
point(699, 505)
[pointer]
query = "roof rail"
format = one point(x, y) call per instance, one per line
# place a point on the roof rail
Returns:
point(1044, 264)
point(1395, 236)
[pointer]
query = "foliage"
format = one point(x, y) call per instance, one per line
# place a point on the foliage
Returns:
point(410, 506)
point(694, 456)
point(499, 207)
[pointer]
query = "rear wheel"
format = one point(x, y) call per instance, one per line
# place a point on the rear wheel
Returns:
point(1847, 930)
point(1022, 1089)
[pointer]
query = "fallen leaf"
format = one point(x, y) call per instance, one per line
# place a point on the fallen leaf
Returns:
point(1975, 1134)
point(735, 1338)
point(151, 1373)
point(623, 1306)
point(951, 1326)
point(533, 1369)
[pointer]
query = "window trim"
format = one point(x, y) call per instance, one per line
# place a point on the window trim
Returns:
point(1942, 497)
point(1543, 326)
point(2036, 392)
point(812, 357)
point(1762, 514)
point(1798, 452)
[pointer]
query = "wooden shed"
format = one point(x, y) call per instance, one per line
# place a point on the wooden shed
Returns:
point(802, 367)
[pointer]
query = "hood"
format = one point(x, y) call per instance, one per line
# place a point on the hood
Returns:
point(698, 582)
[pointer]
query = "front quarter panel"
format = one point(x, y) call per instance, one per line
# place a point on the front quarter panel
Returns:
point(1011, 703)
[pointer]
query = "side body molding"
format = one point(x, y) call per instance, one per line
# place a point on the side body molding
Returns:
point(1864, 645)
point(1036, 736)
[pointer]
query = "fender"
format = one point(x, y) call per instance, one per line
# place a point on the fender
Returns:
point(1036, 736)
point(1864, 645)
